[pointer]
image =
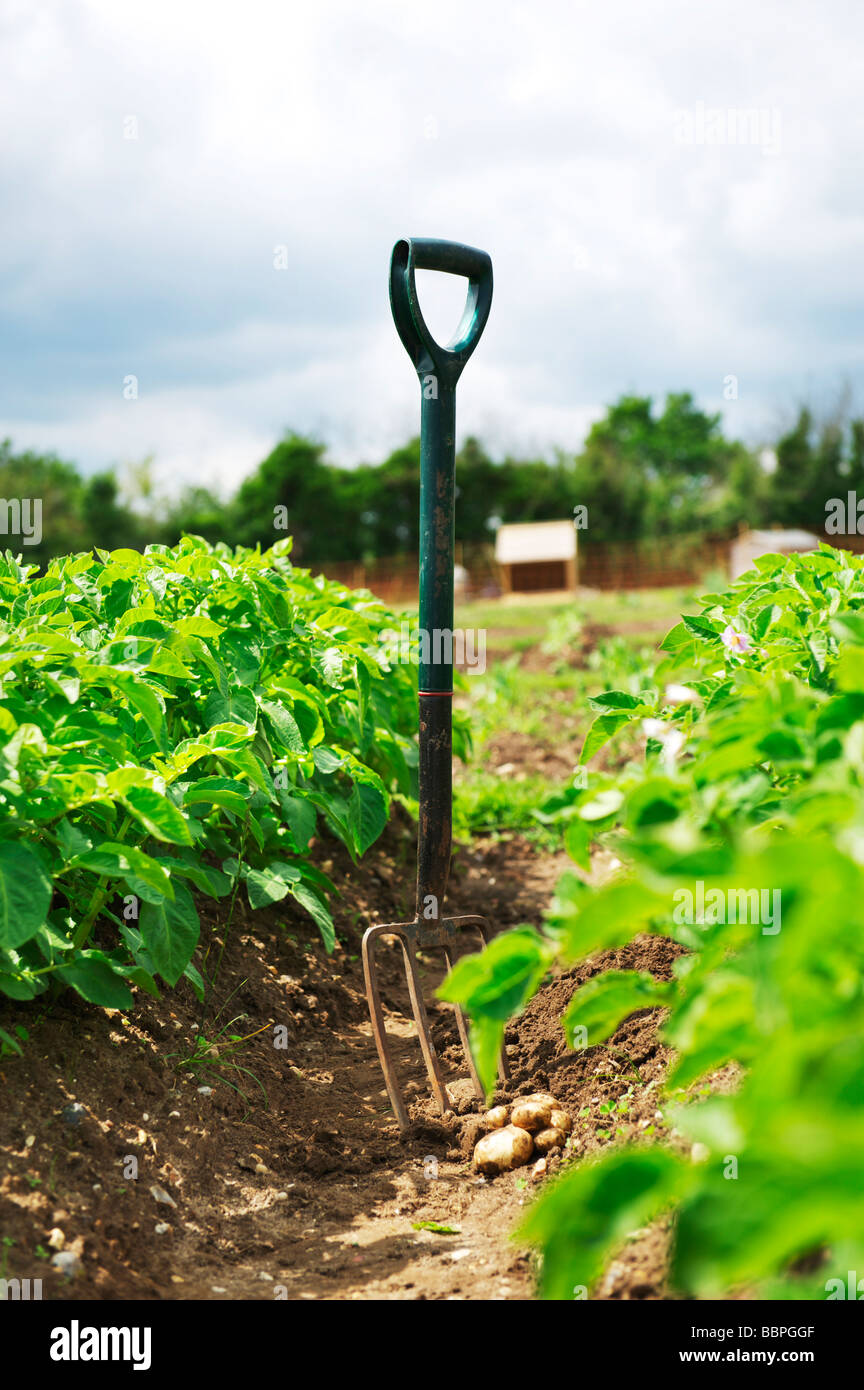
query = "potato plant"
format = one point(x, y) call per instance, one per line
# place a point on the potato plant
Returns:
point(752, 782)
point(179, 722)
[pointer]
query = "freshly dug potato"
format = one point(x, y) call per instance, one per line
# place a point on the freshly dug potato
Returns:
point(497, 1117)
point(541, 1095)
point(532, 1113)
point(503, 1149)
point(548, 1139)
point(561, 1120)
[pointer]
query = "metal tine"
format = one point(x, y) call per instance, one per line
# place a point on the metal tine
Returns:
point(421, 1018)
point(462, 1024)
point(407, 935)
point(376, 1014)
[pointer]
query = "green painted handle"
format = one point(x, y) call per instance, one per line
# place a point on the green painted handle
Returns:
point(425, 253)
point(438, 368)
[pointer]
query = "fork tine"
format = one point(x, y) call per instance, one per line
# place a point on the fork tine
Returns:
point(411, 934)
point(421, 1018)
point(462, 1024)
point(376, 1013)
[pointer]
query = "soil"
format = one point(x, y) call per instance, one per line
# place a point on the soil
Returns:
point(289, 1178)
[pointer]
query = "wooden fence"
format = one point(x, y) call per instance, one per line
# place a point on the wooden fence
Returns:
point(624, 565)
point(645, 564)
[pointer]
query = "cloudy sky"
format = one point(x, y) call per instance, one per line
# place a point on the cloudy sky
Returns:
point(671, 194)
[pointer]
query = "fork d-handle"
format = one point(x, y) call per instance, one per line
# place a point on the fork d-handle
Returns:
point(439, 369)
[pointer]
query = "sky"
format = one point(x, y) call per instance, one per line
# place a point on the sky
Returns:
point(199, 202)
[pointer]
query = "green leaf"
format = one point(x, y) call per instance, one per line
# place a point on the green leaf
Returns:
point(218, 791)
point(205, 878)
point(318, 912)
point(92, 976)
point(577, 841)
point(708, 629)
point(170, 932)
point(605, 1001)
point(284, 726)
point(617, 700)
point(598, 920)
point(300, 815)
point(158, 815)
point(603, 728)
point(326, 760)
point(676, 638)
point(25, 894)
point(270, 884)
point(849, 671)
point(237, 707)
point(582, 1217)
point(110, 860)
point(495, 985)
point(368, 810)
point(601, 806)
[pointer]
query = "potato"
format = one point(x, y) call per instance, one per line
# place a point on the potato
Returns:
point(561, 1120)
point(532, 1114)
point(543, 1096)
point(548, 1139)
point(497, 1117)
point(503, 1149)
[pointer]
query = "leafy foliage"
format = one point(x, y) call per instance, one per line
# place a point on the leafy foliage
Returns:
point(179, 722)
point(742, 832)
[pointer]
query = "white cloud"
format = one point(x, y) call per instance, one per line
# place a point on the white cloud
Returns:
point(624, 260)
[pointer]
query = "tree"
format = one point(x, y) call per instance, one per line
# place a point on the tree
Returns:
point(57, 489)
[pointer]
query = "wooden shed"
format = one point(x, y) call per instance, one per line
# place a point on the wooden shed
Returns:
point(537, 555)
point(751, 544)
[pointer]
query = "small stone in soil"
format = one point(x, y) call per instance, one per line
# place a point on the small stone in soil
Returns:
point(160, 1195)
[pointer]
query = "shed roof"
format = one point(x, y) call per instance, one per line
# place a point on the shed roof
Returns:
point(792, 538)
point(527, 541)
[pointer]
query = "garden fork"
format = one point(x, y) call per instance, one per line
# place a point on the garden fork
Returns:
point(439, 369)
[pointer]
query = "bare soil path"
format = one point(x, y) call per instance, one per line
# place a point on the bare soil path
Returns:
point(311, 1193)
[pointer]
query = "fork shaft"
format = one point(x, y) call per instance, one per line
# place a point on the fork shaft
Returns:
point(437, 529)
point(435, 825)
